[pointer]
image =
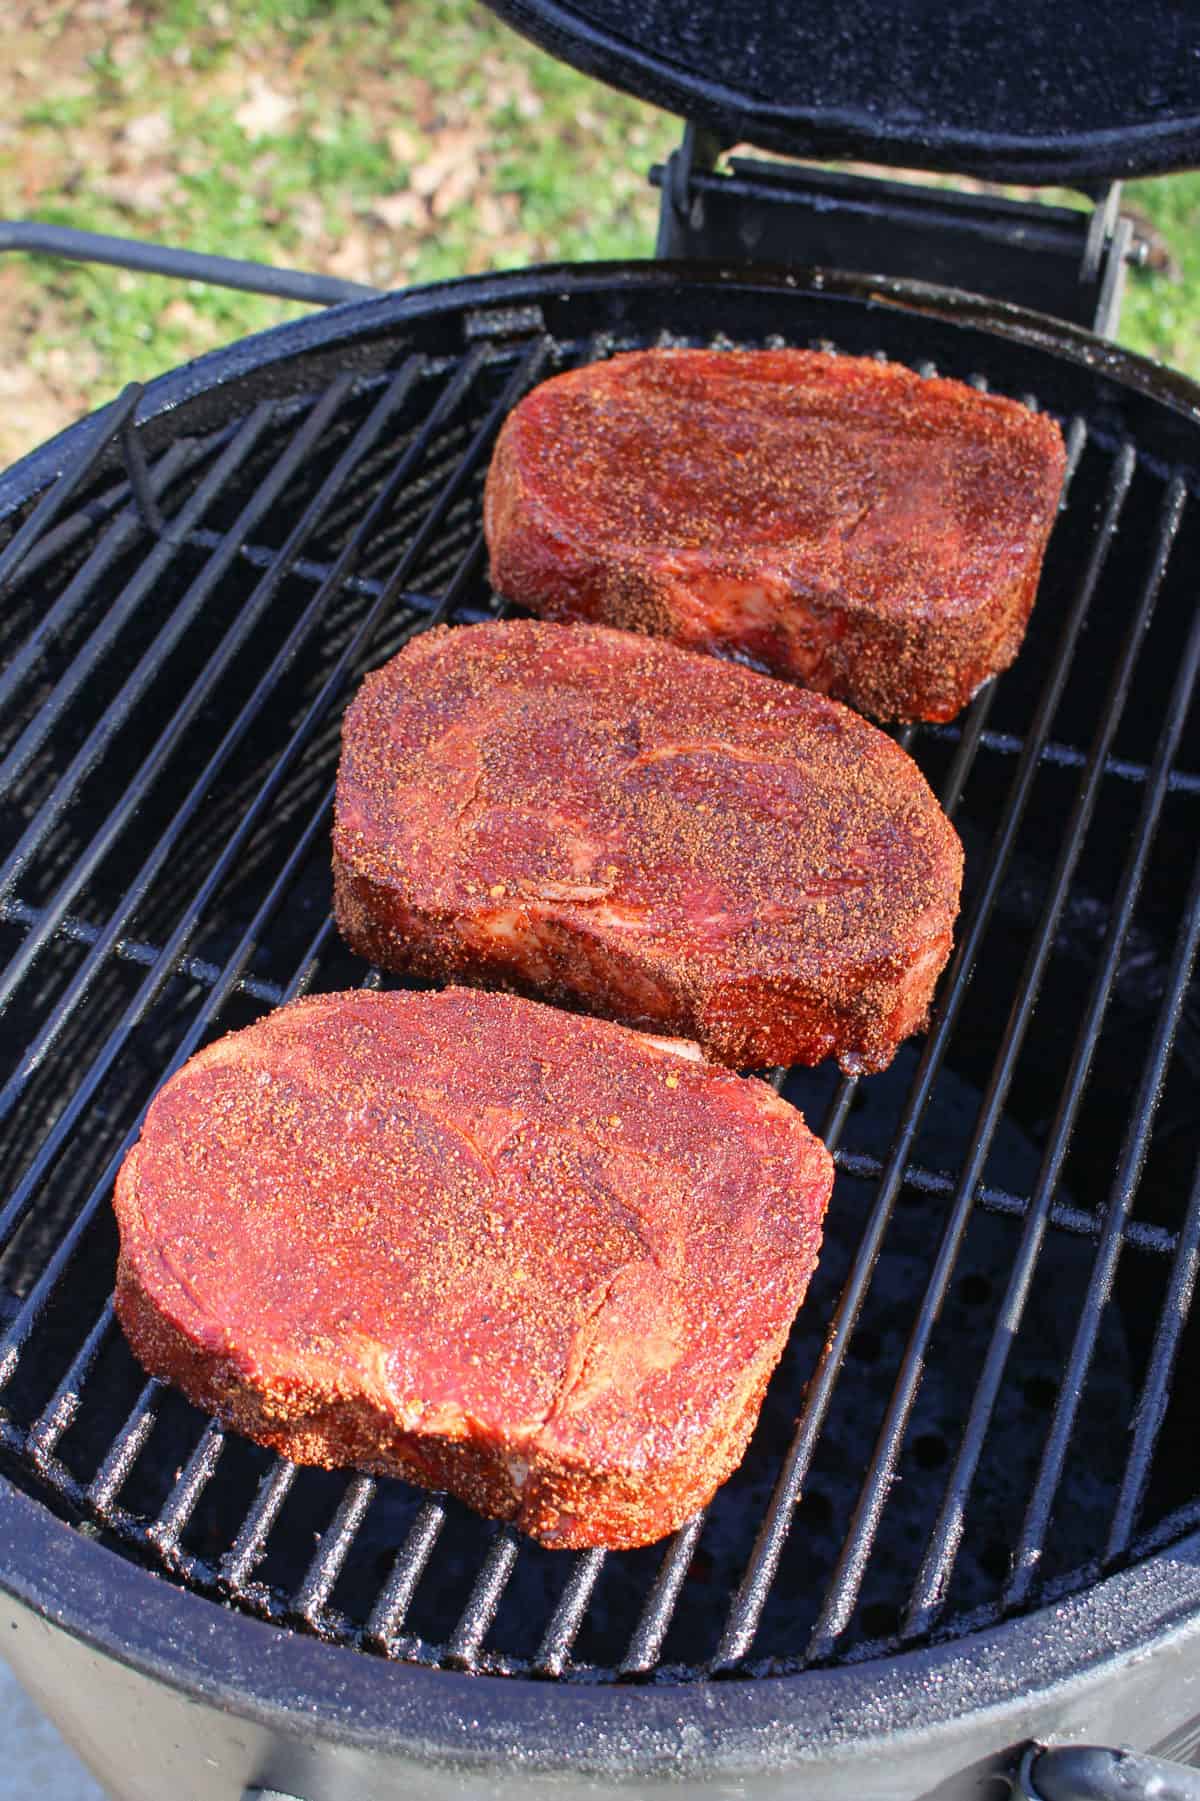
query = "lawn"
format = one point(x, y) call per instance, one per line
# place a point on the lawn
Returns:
point(387, 142)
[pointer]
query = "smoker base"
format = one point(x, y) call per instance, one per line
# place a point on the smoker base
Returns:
point(37, 1762)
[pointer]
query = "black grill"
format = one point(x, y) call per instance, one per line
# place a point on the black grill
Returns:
point(975, 1412)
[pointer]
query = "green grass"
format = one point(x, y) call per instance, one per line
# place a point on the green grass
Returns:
point(568, 158)
point(550, 165)
point(1161, 316)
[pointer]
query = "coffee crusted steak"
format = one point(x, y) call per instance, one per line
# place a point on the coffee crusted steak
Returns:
point(542, 1262)
point(833, 519)
point(665, 838)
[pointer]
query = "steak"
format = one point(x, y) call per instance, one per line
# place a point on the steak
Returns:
point(832, 519)
point(666, 838)
point(542, 1262)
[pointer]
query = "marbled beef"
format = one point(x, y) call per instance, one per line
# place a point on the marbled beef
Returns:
point(837, 520)
point(542, 1262)
point(660, 837)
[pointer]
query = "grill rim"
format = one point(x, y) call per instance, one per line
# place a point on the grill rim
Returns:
point(337, 331)
point(777, 1722)
point(946, 1702)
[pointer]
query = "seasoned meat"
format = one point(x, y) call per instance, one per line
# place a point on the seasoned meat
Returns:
point(542, 1262)
point(840, 521)
point(665, 838)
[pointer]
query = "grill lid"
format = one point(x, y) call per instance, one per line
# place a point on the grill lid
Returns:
point(1003, 89)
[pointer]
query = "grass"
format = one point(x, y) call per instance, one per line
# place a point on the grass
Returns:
point(391, 143)
point(1161, 314)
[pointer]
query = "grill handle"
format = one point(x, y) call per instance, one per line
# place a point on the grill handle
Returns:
point(1064, 1773)
point(1095, 1773)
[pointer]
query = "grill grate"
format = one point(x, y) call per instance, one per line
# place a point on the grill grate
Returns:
point(942, 1443)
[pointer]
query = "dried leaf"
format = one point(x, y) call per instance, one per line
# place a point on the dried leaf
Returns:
point(148, 135)
point(404, 145)
point(397, 211)
point(308, 217)
point(489, 218)
point(64, 367)
point(180, 315)
point(104, 12)
point(264, 110)
point(142, 193)
point(351, 259)
point(422, 104)
point(510, 81)
point(124, 51)
point(458, 186)
point(37, 172)
point(454, 150)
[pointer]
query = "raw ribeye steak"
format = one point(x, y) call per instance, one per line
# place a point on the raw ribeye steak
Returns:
point(839, 521)
point(541, 1262)
point(663, 838)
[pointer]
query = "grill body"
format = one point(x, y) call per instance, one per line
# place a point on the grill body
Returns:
point(161, 1697)
point(967, 1516)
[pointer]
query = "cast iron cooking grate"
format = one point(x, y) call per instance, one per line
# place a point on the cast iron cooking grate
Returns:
point(976, 1410)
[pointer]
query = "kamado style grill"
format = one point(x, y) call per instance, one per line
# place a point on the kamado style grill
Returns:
point(969, 1520)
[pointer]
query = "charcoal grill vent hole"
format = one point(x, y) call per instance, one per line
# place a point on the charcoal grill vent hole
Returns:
point(974, 1290)
point(1040, 1393)
point(879, 1620)
point(930, 1450)
point(815, 1509)
point(866, 1346)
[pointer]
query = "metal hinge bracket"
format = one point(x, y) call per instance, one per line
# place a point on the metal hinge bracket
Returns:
point(1054, 259)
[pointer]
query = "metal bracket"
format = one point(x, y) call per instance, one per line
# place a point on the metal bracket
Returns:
point(697, 153)
point(1107, 251)
point(1055, 259)
point(1100, 230)
point(138, 472)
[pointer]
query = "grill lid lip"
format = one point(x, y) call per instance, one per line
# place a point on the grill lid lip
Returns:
point(342, 336)
point(1072, 1666)
point(917, 86)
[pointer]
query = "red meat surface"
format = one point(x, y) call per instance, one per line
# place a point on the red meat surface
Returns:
point(542, 1262)
point(836, 520)
point(661, 837)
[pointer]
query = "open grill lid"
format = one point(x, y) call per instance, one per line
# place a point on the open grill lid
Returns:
point(1007, 90)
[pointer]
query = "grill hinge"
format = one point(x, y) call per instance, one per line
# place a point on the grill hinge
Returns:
point(1065, 261)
